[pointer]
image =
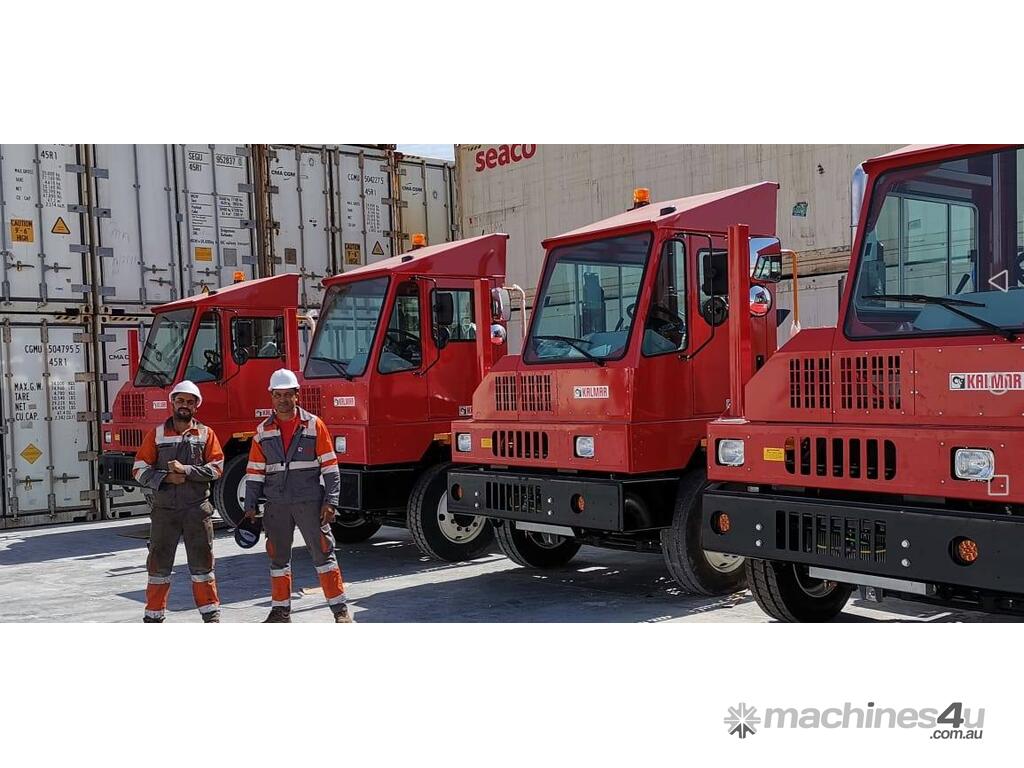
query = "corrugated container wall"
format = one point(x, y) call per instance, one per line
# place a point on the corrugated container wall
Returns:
point(535, 191)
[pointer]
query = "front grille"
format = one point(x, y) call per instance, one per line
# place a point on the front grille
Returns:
point(834, 536)
point(506, 496)
point(117, 472)
point(871, 382)
point(810, 382)
point(519, 444)
point(309, 399)
point(871, 459)
point(133, 405)
point(131, 438)
point(529, 392)
point(505, 393)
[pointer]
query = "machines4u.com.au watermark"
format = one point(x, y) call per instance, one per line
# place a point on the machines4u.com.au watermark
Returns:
point(954, 721)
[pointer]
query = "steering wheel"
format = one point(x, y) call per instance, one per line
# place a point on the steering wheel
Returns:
point(715, 310)
point(213, 361)
point(402, 343)
point(630, 311)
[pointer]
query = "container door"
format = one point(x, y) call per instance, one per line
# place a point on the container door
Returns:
point(48, 426)
point(425, 194)
point(362, 212)
point(43, 250)
point(215, 200)
point(138, 250)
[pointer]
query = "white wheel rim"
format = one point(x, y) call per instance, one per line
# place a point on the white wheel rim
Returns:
point(460, 529)
point(240, 493)
point(722, 562)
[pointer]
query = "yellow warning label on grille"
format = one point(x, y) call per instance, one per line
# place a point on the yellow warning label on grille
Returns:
point(486, 442)
point(60, 227)
point(22, 231)
point(774, 454)
point(204, 254)
point(31, 454)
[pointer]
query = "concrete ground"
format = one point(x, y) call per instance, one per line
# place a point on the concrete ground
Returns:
point(97, 572)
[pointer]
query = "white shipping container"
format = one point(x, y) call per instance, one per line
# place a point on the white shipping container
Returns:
point(300, 217)
point(362, 206)
point(215, 197)
point(137, 238)
point(48, 448)
point(43, 237)
point(426, 198)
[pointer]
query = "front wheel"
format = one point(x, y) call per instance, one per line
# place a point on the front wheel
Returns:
point(437, 532)
point(229, 492)
point(786, 593)
point(532, 549)
point(353, 528)
point(696, 570)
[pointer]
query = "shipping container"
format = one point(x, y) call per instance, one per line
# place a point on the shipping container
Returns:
point(44, 249)
point(216, 199)
point(362, 200)
point(819, 302)
point(138, 249)
point(426, 201)
point(47, 409)
point(299, 206)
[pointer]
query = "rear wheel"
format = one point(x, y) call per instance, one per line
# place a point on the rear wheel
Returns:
point(352, 528)
point(229, 492)
point(437, 532)
point(533, 549)
point(695, 569)
point(786, 593)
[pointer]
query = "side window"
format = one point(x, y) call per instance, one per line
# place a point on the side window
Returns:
point(462, 325)
point(205, 362)
point(665, 327)
point(713, 279)
point(402, 349)
point(260, 337)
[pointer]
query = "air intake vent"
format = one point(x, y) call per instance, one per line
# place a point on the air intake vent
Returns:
point(838, 457)
point(871, 383)
point(505, 496)
point(535, 392)
point(834, 536)
point(131, 438)
point(133, 405)
point(309, 398)
point(810, 383)
point(505, 393)
point(519, 444)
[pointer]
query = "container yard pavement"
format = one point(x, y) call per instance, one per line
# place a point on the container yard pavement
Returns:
point(97, 572)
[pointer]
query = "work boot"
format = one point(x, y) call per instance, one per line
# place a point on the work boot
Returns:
point(342, 616)
point(151, 620)
point(211, 618)
point(278, 615)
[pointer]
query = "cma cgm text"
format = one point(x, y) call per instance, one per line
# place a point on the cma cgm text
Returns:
point(504, 155)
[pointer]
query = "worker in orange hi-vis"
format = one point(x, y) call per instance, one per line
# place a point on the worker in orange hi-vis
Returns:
point(290, 455)
point(177, 461)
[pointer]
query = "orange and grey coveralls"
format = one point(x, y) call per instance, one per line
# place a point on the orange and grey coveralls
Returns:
point(289, 478)
point(180, 510)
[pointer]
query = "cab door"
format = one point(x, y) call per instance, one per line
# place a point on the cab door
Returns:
point(399, 391)
point(204, 366)
point(257, 344)
point(451, 350)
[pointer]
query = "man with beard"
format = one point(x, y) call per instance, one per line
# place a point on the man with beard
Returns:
point(177, 461)
point(293, 465)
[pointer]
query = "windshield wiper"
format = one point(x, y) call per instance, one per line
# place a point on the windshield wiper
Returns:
point(340, 367)
point(953, 305)
point(575, 344)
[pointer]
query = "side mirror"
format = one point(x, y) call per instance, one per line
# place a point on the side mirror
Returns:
point(766, 259)
point(240, 355)
point(760, 301)
point(444, 308)
point(441, 335)
point(501, 304)
point(498, 334)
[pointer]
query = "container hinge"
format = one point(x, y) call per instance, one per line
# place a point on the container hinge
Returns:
point(85, 416)
point(78, 248)
point(13, 503)
point(386, 168)
point(7, 332)
point(105, 252)
point(81, 338)
point(101, 213)
point(105, 337)
point(108, 290)
point(76, 208)
point(247, 224)
point(273, 189)
point(399, 171)
point(246, 188)
point(395, 203)
point(88, 456)
point(243, 152)
point(74, 168)
point(106, 416)
point(88, 495)
point(81, 288)
point(100, 173)
point(51, 503)
point(107, 377)
point(83, 377)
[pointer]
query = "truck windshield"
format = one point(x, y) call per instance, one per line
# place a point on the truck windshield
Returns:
point(345, 330)
point(943, 250)
point(164, 345)
point(587, 301)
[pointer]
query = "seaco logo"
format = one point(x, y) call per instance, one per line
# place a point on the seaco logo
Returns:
point(506, 154)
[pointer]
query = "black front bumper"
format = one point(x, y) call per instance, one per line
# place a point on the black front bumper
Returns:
point(116, 469)
point(538, 498)
point(902, 542)
point(376, 490)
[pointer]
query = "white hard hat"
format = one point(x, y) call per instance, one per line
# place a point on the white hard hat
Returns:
point(282, 378)
point(188, 388)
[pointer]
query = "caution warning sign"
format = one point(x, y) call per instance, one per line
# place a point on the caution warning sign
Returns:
point(22, 231)
point(31, 454)
point(204, 254)
point(60, 228)
point(352, 253)
point(378, 249)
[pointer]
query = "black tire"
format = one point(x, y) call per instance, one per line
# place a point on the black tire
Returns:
point(223, 491)
point(787, 596)
point(683, 550)
point(526, 548)
point(468, 537)
point(351, 528)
